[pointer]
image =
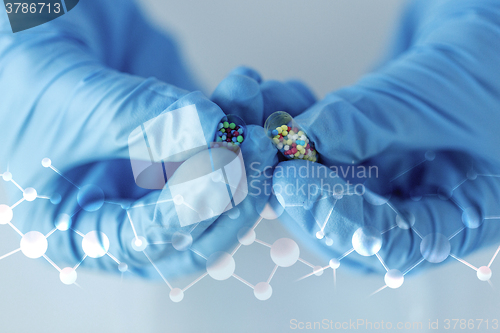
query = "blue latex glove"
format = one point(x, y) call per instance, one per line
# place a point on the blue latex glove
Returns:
point(73, 91)
point(85, 108)
point(245, 94)
point(434, 107)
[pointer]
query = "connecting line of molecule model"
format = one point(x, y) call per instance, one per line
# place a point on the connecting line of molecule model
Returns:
point(434, 248)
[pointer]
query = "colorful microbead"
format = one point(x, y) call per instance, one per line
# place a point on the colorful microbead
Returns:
point(230, 134)
point(293, 143)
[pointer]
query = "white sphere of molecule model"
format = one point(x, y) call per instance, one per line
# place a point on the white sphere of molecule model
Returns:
point(55, 198)
point(471, 175)
point(220, 266)
point(334, 263)
point(182, 241)
point(471, 218)
point(205, 213)
point(125, 205)
point(233, 213)
point(176, 295)
point(444, 193)
point(320, 234)
point(262, 291)
point(318, 270)
point(217, 177)
point(435, 248)
point(272, 212)
point(68, 275)
point(7, 176)
point(367, 241)
point(394, 278)
point(46, 162)
point(430, 155)
point(34, 244)
point(338, 195)
point(29, 194)
point(95, 244)
point(139, 243)
point(63, 222)
point(405, 220)
point(484, 273)
point(178, 200)
point(6, 214)
point(246, 236)
point(122, 267)
point(285, 252)
point(415, 195)
point(90, 198)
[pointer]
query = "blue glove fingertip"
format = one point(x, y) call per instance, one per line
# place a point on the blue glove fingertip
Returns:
point(240, 95)
point(236, 89)
point(247, 71)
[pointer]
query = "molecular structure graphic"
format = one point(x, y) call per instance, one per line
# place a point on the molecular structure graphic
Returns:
point(34, 244)
point(284, 252)
point(434, 248)
point(220, 265)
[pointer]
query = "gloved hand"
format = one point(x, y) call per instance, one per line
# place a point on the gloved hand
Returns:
point(175, 250)
point(426, 124)
point(244, 88)
point(73, 91)
point(77, 87)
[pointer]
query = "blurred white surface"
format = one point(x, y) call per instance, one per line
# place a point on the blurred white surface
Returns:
point(328, 44)
point(325, 43)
